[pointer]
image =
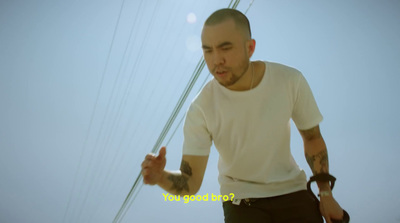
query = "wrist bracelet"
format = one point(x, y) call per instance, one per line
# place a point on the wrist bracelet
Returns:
point(322, 177)
point(324, 193)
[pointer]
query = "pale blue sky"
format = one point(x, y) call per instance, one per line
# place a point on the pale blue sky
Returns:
point(77, 108)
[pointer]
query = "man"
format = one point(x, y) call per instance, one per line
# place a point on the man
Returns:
point(246, 110)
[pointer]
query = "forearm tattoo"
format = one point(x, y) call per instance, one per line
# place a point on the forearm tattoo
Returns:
point(185, 168)
point(180, 183)
point(319, 162)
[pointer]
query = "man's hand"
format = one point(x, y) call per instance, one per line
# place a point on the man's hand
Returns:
point(330, 209)
point(153, 167)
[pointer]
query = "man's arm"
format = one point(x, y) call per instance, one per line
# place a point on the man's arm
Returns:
point(316, 154)
point(185, 181)
point(317, 157)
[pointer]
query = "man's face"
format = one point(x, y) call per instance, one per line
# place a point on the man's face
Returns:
point(226, 52)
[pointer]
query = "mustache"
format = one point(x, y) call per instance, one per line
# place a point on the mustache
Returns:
point(220, 69)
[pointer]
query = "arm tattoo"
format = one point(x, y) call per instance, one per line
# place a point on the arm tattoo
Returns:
point(180, 183)
point(310, 161)
point(312, 133)
point(319, 159)
point(185, 168)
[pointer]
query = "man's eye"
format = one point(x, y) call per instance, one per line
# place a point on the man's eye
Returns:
point(226, 48)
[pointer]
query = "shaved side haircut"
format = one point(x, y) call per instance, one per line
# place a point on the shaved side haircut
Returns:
point(239, 18)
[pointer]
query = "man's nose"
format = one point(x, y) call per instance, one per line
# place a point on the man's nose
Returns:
point(218, 58)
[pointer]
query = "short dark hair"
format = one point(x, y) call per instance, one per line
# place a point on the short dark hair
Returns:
point(222, 15)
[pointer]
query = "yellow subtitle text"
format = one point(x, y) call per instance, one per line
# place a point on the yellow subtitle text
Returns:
point(187, 198)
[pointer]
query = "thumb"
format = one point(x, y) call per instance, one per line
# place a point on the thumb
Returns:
point(161, 154)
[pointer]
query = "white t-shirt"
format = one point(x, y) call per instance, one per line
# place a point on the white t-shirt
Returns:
point(251, 131)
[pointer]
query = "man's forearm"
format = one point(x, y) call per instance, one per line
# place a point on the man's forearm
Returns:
point(317, 158)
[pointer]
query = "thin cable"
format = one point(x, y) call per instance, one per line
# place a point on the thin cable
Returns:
point(125, 96)
point(236, 4)
point(93, 111)
point(119, 111)
point(177, 108)
point(121, 213)
point(181, 120)
point(230, 4)
point(115, 165)
point(167, 126)
point(251, 3)
point(102, 151)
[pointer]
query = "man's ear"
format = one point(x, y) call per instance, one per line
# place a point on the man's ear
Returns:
point(251, 47)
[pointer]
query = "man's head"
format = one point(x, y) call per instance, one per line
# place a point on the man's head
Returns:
point(227, 47)
point(239, 18)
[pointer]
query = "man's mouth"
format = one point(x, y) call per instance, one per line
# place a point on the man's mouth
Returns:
point(221, 73)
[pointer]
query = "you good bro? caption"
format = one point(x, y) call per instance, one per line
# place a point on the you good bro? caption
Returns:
point(188, 198)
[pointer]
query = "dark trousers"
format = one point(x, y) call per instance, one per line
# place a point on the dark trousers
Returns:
point(297, 207)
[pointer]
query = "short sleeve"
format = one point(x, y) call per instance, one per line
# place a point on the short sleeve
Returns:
point(197, 139)
point(305, 113)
